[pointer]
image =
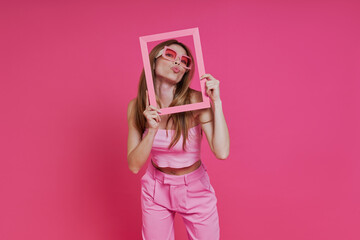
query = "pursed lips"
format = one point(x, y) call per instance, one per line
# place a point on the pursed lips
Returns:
point(175, 69)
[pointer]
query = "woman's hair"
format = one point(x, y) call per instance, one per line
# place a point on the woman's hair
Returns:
point(181, 120)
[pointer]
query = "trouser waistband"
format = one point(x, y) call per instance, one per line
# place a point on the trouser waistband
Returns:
point(177, 179)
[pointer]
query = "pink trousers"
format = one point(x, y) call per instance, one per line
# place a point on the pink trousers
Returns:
point(190, 195)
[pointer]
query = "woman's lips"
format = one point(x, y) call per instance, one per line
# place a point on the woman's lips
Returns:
point(175, 69)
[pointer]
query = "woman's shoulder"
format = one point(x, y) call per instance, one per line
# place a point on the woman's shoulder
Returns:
point(131, 107)
point(131, 115)
point(131, 103)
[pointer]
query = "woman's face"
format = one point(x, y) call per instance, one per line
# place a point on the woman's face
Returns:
point(168, 69)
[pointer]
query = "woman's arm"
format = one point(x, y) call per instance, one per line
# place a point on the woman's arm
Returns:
point(213, 119)
point(138, 150)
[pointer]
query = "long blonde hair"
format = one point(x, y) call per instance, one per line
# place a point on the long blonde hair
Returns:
point(181, 120)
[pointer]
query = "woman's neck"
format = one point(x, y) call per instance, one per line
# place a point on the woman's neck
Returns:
point(165, 91)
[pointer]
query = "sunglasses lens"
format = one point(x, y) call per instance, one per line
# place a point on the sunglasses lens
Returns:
point(170, 54)
point(185, 61)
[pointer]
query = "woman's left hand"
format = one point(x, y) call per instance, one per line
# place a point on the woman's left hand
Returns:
point(212, 87)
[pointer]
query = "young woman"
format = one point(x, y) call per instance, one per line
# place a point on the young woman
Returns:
point(176, 180)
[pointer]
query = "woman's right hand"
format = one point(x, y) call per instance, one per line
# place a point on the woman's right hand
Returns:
point(151, 114)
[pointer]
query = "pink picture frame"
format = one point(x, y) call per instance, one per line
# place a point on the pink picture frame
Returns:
point(194, 32)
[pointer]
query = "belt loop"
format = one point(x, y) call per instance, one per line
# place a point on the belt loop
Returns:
point(204, 166)
point(186, 180)
point(153, 172)
point(164, 180)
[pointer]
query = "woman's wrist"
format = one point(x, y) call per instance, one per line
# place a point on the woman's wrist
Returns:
point(217, 104)
point(152, 131)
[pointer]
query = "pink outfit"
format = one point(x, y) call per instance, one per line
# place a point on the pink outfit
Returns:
point(190, 195)
point(176, 157)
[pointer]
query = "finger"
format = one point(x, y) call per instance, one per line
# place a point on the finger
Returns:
point(211, 88)
point(152, 120)
point(211, 82)
point(210, 85)
point(146, 114)
point(208, 93)
point(153, 115)
point(147, 98)
point(149, 112)
point(148, 109)
point(154, 108)
point(157, 118)
point(207, 76)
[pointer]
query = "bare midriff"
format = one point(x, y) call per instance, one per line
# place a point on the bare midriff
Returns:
point(178, 171)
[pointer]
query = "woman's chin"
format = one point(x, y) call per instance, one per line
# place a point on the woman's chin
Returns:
point(171, 79)
point(175, 81)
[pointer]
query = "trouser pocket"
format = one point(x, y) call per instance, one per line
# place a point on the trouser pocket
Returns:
point(148, 185)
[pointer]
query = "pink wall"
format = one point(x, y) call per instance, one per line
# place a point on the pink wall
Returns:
point(290, 88)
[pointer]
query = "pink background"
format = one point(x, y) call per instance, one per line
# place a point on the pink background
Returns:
point(290, 88)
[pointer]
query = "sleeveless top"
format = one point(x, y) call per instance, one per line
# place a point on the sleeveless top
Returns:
point(176, 157)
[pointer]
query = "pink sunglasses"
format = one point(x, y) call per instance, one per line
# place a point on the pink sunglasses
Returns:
point(171, 55)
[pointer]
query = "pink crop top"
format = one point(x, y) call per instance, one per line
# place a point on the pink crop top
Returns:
point(176, 157)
